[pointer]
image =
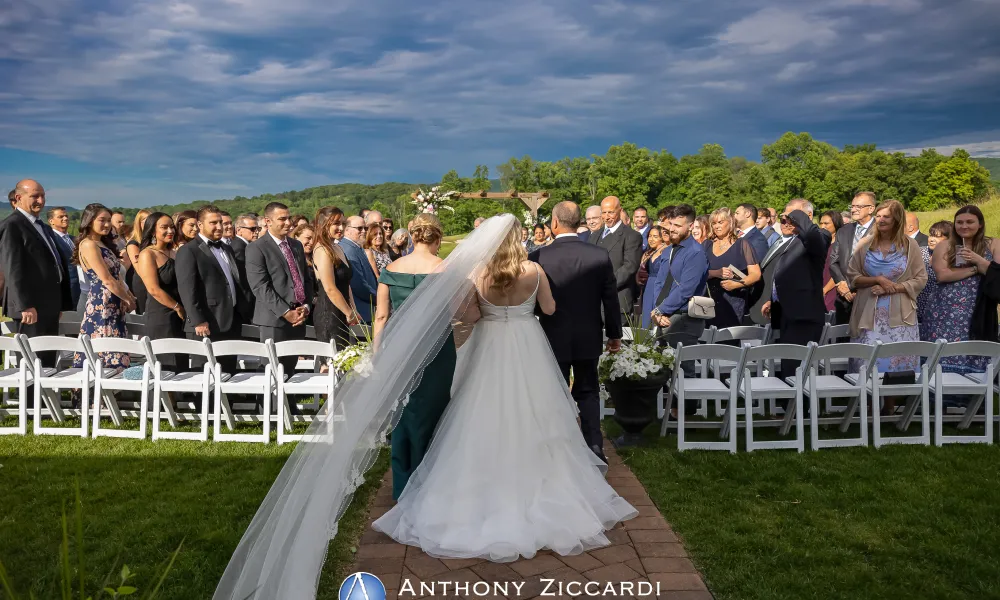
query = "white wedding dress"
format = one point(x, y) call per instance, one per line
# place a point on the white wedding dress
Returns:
point(508, 472)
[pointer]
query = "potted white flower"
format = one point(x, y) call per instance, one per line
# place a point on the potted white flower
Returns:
point(631, 378)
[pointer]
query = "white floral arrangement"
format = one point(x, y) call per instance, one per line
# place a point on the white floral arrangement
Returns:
point(529, 219)
point(434, 199)
point(356, 358)
point(636, 362)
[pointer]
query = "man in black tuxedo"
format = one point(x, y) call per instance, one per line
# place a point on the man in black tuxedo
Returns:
point(276, 274)
point(36, 275)
point(211, 289)
point(624, 245)
point(582, 279)
point(767, 267)
point(798, 279)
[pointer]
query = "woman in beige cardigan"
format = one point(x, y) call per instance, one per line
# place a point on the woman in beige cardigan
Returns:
point(889, 273)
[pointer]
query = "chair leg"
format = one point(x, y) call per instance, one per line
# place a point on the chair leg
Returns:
point(666, 414)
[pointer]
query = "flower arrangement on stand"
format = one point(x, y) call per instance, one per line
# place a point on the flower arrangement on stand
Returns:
point(434, 199)
point(529, 219)
point(632, 378)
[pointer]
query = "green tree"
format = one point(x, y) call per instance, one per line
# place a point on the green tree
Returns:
point(630, 173)
point(958, 180)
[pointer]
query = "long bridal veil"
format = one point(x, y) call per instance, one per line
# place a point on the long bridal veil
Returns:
point(284, 548)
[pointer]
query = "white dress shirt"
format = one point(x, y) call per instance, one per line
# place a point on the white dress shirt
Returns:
point(609, 230)
point(576, 235)
point(220, 255)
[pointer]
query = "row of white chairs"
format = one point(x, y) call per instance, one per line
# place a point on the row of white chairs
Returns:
point(97, 385)
point(753, 377)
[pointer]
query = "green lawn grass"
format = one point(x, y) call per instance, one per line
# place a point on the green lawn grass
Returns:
point(140, 499)
point(898, 522)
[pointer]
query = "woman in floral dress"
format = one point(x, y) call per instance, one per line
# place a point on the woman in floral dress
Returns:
point(108, 298)
point(959, 264)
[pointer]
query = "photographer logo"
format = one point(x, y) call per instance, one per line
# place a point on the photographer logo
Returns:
point(362, 586)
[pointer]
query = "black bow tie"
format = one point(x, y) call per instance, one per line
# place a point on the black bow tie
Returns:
point(215, 244)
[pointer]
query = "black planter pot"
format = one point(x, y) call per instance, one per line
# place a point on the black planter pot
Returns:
point(635, 401)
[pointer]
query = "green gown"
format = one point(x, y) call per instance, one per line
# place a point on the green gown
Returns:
point(412, 435)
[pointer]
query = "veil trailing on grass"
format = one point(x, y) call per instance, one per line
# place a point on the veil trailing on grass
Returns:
point(284, 548)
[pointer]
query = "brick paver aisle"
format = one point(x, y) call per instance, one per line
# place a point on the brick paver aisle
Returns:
point(643, 549)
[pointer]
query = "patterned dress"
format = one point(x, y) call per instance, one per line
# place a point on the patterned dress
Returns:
point(890, 266)
point(103, 316)
point(926, 298)
point(382, 259)
point(949, 317)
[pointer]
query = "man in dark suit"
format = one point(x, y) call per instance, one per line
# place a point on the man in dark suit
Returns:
point(583, 283)
point(624, 245)
point(364, 284)
point(59, 222)
point(640, 223)
point(36, 276)
point(593, 222)
point(798, 279)
point(767, 267)
point(745, 216)
point(276, 274)
point(913, 229)
point(211, 289)
point(245, 231)
point(848, 236)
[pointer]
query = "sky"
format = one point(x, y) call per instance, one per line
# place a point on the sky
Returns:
point(135, 102)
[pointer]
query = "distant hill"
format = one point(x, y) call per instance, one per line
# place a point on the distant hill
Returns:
point(992, 165)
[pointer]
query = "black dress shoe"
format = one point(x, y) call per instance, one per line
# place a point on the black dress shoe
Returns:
point(599, 452)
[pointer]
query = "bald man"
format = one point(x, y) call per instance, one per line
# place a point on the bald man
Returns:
point(36, 284)
point(913, 229)
point(624, 244)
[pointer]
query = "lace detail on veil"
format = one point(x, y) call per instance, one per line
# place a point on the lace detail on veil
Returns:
point(283, 550)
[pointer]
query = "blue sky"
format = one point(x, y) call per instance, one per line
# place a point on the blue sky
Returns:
point(139, 102)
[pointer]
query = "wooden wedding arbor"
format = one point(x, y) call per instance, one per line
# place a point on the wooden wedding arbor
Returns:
point(533, 200)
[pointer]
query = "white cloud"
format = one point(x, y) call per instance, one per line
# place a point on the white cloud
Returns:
point(794, 70)
point(773, 30)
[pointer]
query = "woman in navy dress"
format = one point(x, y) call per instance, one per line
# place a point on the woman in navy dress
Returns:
point(726, 251)
point(652, 261)
point(108, 298)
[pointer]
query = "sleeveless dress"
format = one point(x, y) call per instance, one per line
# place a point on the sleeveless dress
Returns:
point(949, 317)
point(161, 321)
point(103, 316)
point(729, 306)
point(330, 323)
point(508, 472)
point(412, 435)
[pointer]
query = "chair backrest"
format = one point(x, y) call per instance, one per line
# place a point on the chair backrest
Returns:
point(832, 333)
point(202, 347)
point(93, 347)
point(971, 348)
point(46, 343)
point(708, 336)
point(831, 317)
point(303, 348)
point(239, 347)
point(741, 333)
point(684, 353)
point(863, 352)
point(8, 343)
point(930, 351)
point(770, 352)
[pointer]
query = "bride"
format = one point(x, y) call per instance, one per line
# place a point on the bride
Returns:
point(507, 472)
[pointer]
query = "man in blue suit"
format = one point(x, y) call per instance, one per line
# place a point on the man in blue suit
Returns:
point(58, 220)
point(364, 285)
point(746, 228)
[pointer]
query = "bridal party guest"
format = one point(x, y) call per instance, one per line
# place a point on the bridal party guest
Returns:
point(831, 221)
point(724, 251)
point(682, 277)
point(59, 222)
point(155, 269)
point(412, 435)
point(186, 224)
point(334, 313)
point(364, 284)
point(276, 274)
point(398, 243)
point(108, 297)
point(625, 247)
point(938, 232)
point(652, 261)
point(376, 248)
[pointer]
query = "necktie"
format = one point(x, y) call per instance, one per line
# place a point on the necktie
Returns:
point(606, 232)
point(214, 244)
point(48, 244)
point(740, 234)
point(300, 291)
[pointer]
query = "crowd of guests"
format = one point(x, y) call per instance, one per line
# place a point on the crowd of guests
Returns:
point(194, 274)
point(205, 273)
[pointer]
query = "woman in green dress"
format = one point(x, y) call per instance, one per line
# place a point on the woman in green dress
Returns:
point(412, 435)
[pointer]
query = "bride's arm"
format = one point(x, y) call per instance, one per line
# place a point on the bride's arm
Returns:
point(545, 300)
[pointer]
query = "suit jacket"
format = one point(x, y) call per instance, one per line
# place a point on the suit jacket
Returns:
point(645, 236)
point(843, 248)
point(204, 289)
point(583, 283)
point(798, 275)
point(625, 248)
point(364, 285)
point(270, 280)
point(767, 267)
point(66, 248)
point(921, 239)
point(239, 246)
point(33, 278)
point(584, 236)
point(758, 242)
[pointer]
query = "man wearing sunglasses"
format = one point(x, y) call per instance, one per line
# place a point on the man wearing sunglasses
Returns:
point(364, 285)
point(796, 307)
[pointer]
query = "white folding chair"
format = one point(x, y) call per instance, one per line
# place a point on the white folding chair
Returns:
point(827, 385)
point(832, 334)
point(106, 383)
point(302, 384)
point(704, 388)
point(244, 383)
point(747, 335)
point(14, 376)
point(48, 382)
point(979, 385)
point(193, 382)
point(917, 392)
point(773, 387)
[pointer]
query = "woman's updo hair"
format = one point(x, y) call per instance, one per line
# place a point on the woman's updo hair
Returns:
point(426, 229)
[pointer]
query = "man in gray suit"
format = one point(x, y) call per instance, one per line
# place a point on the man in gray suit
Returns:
point(276, 273)
point(624, 244)
point(863, 216)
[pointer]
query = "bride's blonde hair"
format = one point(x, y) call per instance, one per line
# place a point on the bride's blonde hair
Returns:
point(505, 267)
